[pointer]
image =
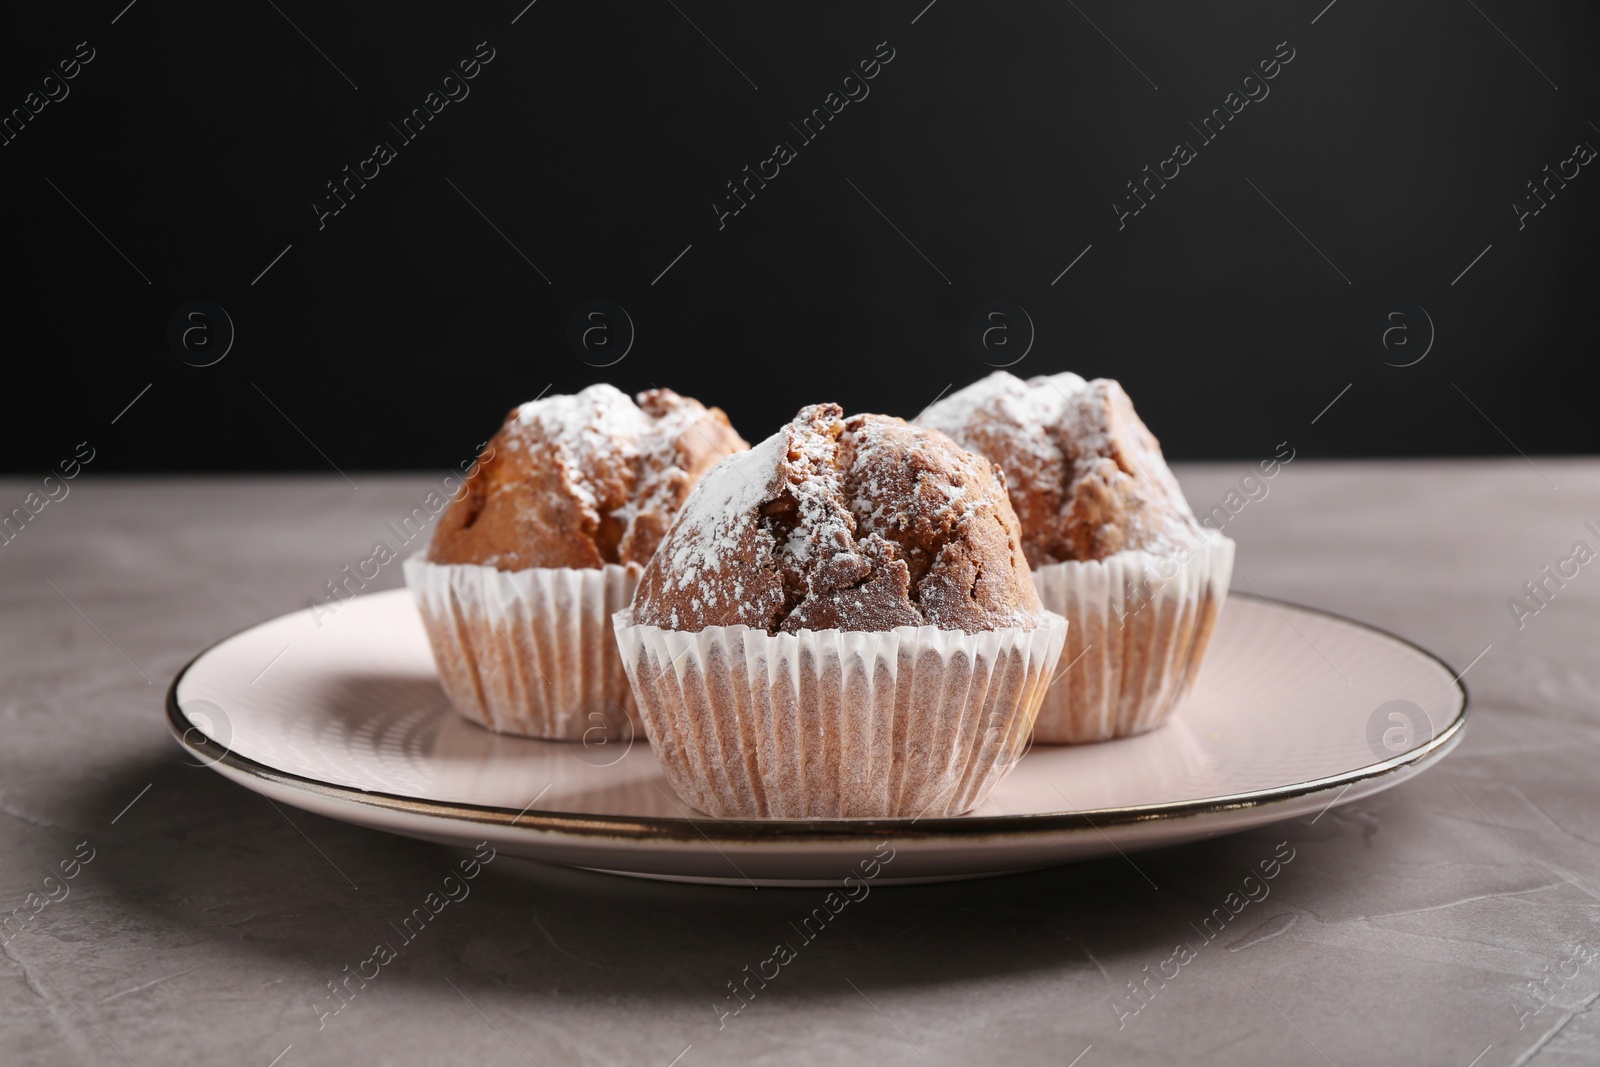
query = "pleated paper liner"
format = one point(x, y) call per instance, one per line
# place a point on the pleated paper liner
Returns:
point(914, 721)
point(1138, 626)
point(529, 652)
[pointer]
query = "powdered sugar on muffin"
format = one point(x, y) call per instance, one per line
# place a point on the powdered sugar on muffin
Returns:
point(583, 480)
point(865, 523)
point(1086, 477)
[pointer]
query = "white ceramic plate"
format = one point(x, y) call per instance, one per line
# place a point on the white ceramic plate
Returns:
point(1295, 711)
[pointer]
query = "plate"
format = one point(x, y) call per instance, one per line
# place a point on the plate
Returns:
point(341, 714)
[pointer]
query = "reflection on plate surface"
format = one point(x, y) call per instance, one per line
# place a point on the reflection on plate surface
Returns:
point(349, 720)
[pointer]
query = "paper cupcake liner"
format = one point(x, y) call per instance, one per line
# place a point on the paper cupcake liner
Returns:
point(529, 652)
point(1138, 629)
point(836, 723)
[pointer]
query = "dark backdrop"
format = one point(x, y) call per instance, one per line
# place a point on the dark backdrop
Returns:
point(987, 156)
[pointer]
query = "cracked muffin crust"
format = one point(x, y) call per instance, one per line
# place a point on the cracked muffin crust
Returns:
point(865, 523)
point(1086, 477)
point(583, 480)
point(1114, 547)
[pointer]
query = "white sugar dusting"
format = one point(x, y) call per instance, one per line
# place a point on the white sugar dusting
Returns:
point(600, 437)
point(719, 513)
point(824, 503)
point(1061, 430)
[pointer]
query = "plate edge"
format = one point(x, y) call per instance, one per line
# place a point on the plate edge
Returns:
point(667, 830)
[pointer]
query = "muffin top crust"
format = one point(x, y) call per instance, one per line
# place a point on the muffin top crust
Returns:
point(583, 480)
point(859, 523)
point(1086, 477)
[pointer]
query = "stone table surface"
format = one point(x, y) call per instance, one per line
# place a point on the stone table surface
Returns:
point(1452, 920)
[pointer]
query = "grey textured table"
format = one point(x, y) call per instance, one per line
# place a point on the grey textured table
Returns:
point(1452, 920)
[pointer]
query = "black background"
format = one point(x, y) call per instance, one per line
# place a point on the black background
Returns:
point(595, 142)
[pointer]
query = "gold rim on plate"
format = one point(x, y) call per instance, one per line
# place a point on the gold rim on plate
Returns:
point(787, 831)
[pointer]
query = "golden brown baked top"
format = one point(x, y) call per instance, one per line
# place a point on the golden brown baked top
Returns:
point(1086, 476)
point(865, 523)
point(583, 480)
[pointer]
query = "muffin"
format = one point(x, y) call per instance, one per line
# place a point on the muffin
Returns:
point(1112, 543)
point(840, 623)
point(544, 542)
